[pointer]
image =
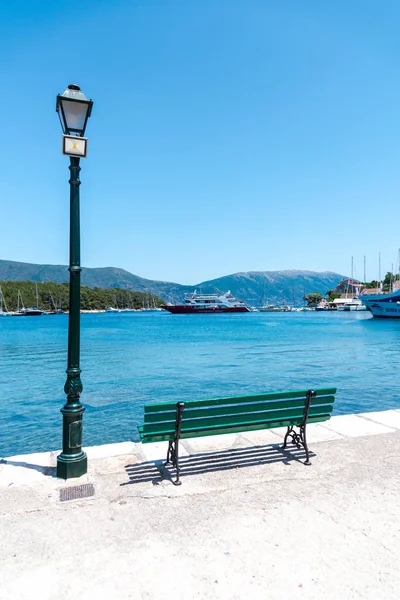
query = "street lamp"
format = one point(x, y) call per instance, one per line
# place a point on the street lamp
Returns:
point(74, 110)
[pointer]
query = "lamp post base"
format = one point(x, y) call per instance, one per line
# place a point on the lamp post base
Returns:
point(71, 465)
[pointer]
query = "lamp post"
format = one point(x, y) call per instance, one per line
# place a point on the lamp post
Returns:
point(74, 110)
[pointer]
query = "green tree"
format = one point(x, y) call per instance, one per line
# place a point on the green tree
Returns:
point(332, 295)
point(313, 299)
point(52, 296)
point(388, 281)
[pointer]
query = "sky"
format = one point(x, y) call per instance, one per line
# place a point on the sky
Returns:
point(225, 136)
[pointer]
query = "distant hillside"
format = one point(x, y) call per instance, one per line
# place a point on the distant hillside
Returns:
point(254, 287)
point(104, 277)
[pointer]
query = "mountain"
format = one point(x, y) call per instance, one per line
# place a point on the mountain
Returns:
point(103, 277)
point(274, 287)
point(254, 287)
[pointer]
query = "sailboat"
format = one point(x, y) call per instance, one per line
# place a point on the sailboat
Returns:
point(129, 307)
point(3, 313)
point(34, 312)
point(353, 303)
point(21, 308)
point(27, 312)
point(55, 311)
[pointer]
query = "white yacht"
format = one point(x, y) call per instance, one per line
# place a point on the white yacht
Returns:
point(207, 303)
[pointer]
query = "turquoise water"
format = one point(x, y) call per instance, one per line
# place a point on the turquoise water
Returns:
point(133, 358)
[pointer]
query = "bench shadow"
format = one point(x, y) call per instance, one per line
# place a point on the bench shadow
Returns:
point(45, 470)
point(210, 462)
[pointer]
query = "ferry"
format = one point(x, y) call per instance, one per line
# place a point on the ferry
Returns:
point(383, 305)
point(207, 303)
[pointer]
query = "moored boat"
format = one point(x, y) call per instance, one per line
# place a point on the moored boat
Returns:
point(207, 303)
point(3, 313)
point(31, 312)
point(349, 300)
point(35, 311)
point(351, 305)
point(270, 308)
point(27, 312)
point(383, 305)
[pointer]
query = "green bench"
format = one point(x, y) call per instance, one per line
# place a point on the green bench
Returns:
point(176, 421)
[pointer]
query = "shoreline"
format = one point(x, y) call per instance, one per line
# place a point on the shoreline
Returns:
point(337, 428)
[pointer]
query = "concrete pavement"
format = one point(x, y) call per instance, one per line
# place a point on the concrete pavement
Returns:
point(248, 521)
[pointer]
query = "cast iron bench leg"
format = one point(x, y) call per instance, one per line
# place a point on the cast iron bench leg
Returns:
point(300, 439)
point(173, 445)
point(169, 453)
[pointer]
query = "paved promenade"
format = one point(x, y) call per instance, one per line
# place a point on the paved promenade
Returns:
point(249, 521)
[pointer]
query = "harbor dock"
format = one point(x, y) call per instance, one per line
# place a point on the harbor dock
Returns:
point(249, 520)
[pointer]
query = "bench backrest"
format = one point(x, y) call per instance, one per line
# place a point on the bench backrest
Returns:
point(233, 415)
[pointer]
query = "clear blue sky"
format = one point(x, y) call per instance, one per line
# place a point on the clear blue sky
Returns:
point(226, 135)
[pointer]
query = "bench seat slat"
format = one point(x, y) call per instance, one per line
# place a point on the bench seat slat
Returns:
point(150, 408)
point(295, 416)
point(235, 409)
point(147, 438)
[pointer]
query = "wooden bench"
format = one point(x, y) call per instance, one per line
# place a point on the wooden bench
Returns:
point(175, 421)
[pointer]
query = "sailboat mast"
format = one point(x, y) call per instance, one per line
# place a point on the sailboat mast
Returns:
point(52, 300)
point(379, 275)
point(398, 265)
point(391, 285)
point(365, 271)
point(3, 300)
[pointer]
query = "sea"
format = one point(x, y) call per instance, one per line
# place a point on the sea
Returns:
point(130, 359)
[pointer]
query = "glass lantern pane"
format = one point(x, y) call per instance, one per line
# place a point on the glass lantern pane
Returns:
point(75, 114)
point(60, 114)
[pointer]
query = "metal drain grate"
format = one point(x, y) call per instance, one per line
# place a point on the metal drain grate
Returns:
point(77, 491)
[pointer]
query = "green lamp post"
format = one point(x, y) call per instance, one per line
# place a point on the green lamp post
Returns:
point(74, 110)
